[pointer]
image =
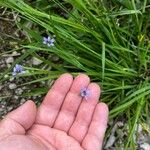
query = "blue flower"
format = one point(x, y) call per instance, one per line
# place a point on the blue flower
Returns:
point(18, 69)
point(84, 93)
point(48, 41)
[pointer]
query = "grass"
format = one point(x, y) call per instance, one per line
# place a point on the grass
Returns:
point(107, 40)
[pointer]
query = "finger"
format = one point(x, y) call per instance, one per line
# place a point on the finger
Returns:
point(71, 103)
point(19, 120)
point(49, 108)
point(95, 135)
point(85, 113)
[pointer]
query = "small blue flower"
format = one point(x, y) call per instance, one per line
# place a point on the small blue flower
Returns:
point(48, 41)
point(18, 69)
point(84, 93)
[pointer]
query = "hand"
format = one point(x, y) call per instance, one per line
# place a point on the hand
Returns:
point(64, 120)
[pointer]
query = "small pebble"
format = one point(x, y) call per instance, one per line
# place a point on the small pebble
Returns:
point(19, 91)
point(15, 53)
point(23, 51)
point(12, 86)
point(36, 61)
point(22, 101)
point(9, 108)
point(11, 79)
point(2, 108)
point(120, 124)
point(34, 97)
point(110, 141)
point(16, 97)
point(24, 87)
point(39, 96)
point(145, 146)
point(55, 58)
point(9, 60)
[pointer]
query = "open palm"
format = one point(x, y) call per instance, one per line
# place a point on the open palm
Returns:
point(64, 120)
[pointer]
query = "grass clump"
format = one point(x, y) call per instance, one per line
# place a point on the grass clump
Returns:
point(108, 40)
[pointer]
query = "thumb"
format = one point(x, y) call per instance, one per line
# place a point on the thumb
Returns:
point(19, 120)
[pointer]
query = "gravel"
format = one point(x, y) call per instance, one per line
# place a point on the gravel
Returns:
point(118, 134)
point(12, 86)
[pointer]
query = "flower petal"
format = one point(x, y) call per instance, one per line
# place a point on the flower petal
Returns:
point(52, 40)
point(48, 39)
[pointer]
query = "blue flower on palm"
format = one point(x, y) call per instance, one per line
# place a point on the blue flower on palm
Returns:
point(84, 93)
